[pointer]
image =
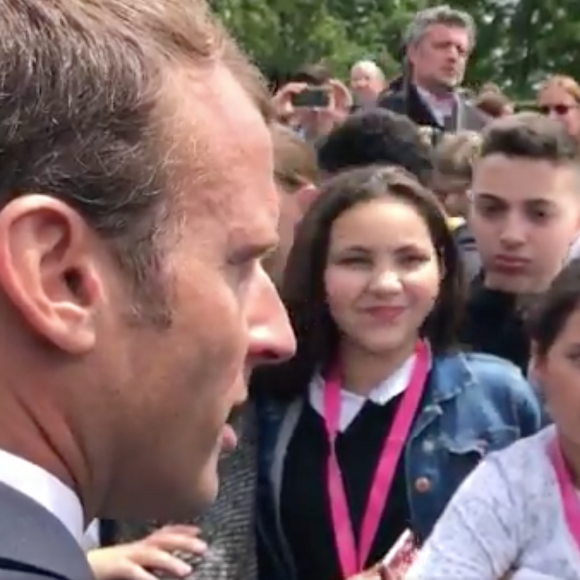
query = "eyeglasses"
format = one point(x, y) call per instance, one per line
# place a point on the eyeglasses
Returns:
point(558, 109)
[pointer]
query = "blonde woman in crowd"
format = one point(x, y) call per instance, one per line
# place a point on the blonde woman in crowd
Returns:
point(559, 97)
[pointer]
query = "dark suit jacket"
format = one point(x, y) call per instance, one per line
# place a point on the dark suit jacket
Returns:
point(404, 99)
point(34, 545)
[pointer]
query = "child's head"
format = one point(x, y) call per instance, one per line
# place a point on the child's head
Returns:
point(555, 333)
point(454, 159)
point(296, 174)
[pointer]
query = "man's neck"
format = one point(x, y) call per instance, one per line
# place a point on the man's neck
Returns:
point(436, 90)
point(25, 434)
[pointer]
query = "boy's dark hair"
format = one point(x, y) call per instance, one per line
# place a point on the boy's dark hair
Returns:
point(531, 136)
point(377, 137)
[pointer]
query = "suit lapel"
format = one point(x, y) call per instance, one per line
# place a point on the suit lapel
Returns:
point(31, 535)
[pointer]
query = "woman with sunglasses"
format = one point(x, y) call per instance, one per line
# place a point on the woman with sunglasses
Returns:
point(559, 97)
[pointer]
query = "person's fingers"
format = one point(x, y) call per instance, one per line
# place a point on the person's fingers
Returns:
point(158, 559)
point(176, 542)
point(184, 529)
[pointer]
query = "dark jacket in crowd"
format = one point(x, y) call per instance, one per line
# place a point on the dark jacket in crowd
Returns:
point(494, 323)
point(402, 97)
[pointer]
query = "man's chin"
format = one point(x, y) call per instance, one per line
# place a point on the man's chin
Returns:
point(511, 284)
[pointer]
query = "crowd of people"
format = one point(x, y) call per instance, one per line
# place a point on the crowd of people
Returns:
point(267, 337)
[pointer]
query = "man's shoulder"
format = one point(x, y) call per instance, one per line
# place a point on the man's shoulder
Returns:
point(26, 575)
point(388, 99)
point(34, 543)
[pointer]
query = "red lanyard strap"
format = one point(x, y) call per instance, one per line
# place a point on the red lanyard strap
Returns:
point(568, 493)
point(352, 560)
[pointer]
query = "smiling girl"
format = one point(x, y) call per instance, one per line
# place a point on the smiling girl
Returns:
point(373, 425)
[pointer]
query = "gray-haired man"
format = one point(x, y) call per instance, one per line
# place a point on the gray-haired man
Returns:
point(438, 43)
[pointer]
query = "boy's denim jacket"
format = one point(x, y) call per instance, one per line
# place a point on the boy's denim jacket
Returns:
point(474, 404)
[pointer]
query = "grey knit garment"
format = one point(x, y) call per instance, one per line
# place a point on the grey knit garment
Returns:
point(228, 526)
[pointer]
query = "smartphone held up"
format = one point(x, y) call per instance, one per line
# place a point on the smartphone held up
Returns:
point(312, 98)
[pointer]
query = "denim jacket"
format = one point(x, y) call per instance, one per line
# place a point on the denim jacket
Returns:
point(474, 404)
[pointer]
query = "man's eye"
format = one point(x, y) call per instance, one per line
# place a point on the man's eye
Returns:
point(538, 215)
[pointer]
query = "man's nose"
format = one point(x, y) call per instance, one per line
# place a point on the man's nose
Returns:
point(514, 232)
point(271, 338)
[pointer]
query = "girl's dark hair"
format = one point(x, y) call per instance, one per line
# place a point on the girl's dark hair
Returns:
point(554, 308)
point(303, 290)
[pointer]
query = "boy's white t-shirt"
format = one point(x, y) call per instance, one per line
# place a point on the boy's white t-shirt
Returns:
point(506, 516)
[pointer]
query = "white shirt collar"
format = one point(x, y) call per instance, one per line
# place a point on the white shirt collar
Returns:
point(352, 403)
point(45, 489)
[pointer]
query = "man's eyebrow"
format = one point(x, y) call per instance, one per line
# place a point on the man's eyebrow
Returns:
point(483, 194)
point(498, 199)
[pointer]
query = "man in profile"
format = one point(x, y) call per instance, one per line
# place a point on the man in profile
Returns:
point(136, 203)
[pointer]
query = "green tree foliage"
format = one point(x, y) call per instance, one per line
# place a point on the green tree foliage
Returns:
point(520, 42)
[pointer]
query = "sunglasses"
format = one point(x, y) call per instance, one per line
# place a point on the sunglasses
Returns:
point(558, 109)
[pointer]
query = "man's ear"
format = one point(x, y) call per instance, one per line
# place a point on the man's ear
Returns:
point(47, 270)
point(306, 195)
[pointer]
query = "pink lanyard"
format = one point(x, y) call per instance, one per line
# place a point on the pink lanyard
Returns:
point(352, 561)
point(568, 494)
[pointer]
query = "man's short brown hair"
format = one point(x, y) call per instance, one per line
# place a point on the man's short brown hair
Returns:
point(493, 103)
point(79, 91)
point(456, 153)
point(531, 136)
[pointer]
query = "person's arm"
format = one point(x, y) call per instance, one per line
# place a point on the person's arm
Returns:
point(477, 536)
